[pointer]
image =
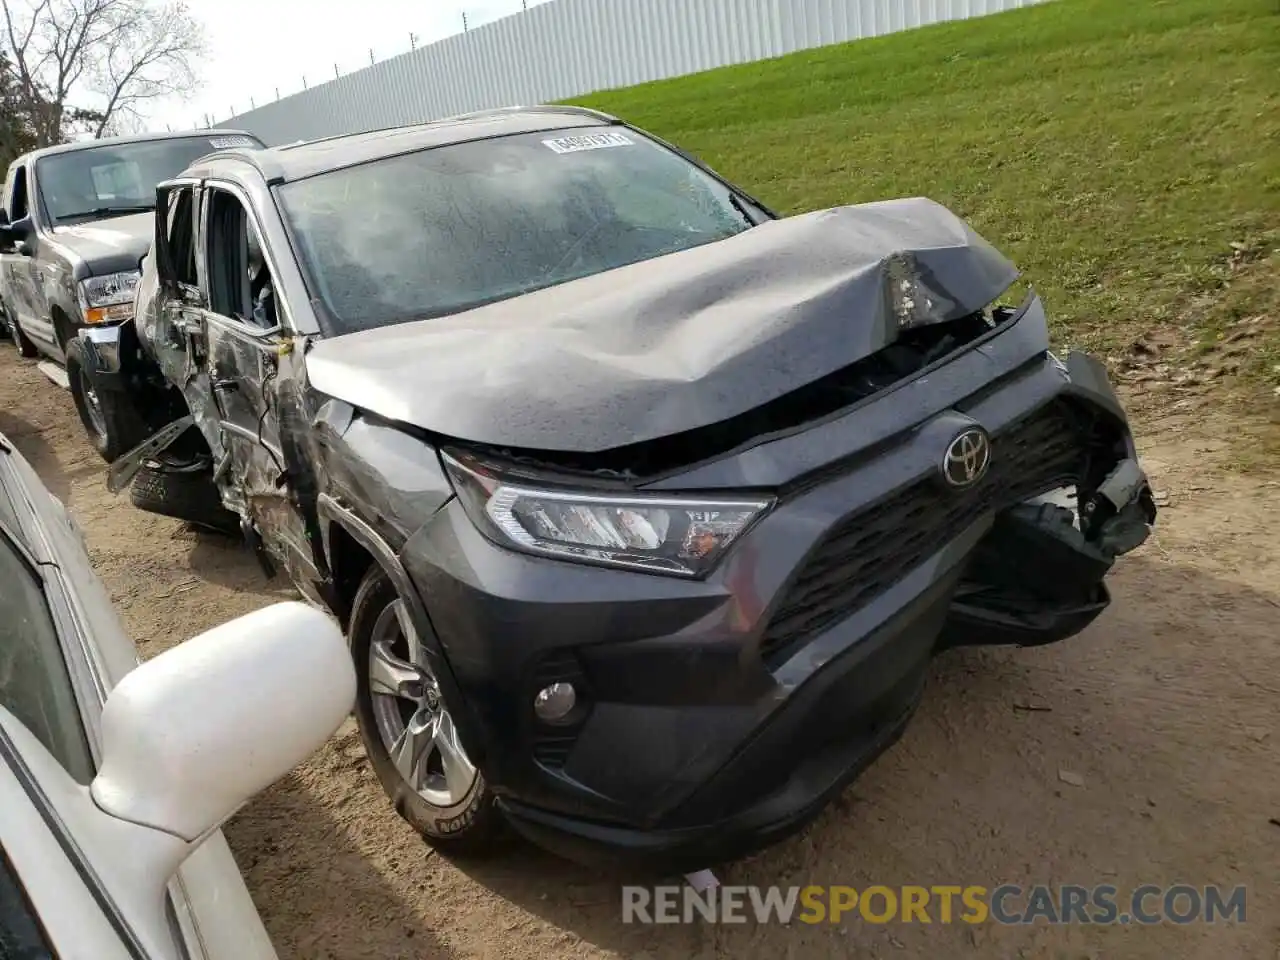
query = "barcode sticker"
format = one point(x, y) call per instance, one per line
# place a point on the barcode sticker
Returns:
point(222, 143)
point(589, 141)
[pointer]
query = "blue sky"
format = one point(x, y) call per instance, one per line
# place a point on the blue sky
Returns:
point(256, 46)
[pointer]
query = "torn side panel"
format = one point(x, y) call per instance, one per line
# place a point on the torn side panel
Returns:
point(172, 334)
point(256, 387)
point(361, 459)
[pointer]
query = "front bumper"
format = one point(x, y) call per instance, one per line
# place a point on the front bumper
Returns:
point(785, 771)
point(104, 349)
point(722, 714)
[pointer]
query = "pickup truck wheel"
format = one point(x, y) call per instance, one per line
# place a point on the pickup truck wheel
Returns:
point(109, 418)
point(408, 729)
point(184, 495)
point(20, 340)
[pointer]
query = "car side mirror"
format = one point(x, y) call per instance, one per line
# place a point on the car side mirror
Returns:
point(17, 234)
point(187, 738)
point(6, 238)
point(191, 735)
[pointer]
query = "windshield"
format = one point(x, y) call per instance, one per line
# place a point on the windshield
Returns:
point(119, 178)
point(444, 230)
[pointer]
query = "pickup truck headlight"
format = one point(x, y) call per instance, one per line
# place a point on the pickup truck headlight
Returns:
point(679, 536)
point(109, 298)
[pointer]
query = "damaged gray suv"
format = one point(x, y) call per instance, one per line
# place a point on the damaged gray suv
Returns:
point(644, 509)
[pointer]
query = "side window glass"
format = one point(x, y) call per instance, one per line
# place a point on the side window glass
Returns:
point(34, 684)
point(19, 204)
point(180, 231)
point(20, 934)
point(240, 282)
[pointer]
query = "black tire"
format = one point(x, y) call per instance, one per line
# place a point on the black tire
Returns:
point(108, 416)
point(25, 347)
point(183, 495)
point(469, 827)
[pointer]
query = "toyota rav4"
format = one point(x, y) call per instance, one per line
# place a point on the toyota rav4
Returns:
point(644, 509)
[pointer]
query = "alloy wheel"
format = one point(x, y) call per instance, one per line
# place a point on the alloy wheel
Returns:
point(414, 725)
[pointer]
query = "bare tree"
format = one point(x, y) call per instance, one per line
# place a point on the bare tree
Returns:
point(92, 65)
point(151, 56)
point(16, 133)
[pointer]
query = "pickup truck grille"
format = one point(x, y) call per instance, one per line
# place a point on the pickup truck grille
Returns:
point(869, 551)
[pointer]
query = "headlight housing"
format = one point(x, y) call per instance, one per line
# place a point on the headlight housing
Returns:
point(109, 298)
point(676, 536)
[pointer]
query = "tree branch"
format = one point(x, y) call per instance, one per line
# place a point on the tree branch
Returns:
point(120, 53)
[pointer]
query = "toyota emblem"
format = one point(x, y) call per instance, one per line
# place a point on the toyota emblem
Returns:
point(967, 458)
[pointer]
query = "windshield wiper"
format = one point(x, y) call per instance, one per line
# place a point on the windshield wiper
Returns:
point(741, 207)
point(117, 211)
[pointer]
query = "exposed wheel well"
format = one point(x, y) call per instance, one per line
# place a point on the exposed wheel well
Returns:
point(349, 561)
point(63, 328)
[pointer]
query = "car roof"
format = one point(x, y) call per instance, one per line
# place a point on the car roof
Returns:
point(137, 138)
point(298, 161)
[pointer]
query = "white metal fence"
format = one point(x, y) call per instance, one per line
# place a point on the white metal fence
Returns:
point(565, 48)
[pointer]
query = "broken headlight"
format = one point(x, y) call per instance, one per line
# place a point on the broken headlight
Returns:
point(670, 535)
point(108, 298)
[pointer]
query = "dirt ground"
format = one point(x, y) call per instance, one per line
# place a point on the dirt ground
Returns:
point(1166, 712)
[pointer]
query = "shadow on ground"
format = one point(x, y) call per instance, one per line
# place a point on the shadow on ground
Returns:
point(228, 561)
point(335, 905)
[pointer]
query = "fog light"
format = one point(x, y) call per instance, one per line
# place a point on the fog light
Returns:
point(555, 702)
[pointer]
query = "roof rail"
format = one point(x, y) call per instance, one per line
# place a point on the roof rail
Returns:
point(454, 118)
point(567, 109)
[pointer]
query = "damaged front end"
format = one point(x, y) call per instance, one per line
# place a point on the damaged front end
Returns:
point(1038, 575)
point(971, 488)
point(834, 359)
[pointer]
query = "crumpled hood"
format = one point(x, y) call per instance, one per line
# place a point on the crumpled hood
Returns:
point(670, 344)
point(111, 245)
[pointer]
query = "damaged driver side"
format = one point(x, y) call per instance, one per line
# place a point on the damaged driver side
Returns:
point(238, 368)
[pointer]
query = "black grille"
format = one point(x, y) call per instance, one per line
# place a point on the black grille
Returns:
point(552, 749)
point(870, 550)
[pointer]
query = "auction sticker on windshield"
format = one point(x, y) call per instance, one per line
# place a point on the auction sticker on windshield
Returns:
point(223, 143)
point(589, 141)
